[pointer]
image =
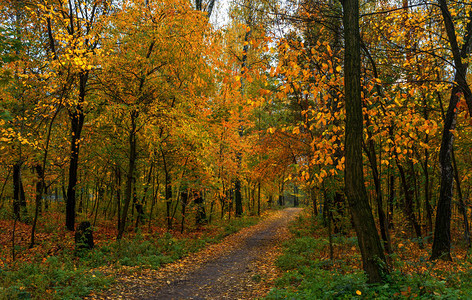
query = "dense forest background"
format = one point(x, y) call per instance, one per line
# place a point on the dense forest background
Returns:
point(144, 115)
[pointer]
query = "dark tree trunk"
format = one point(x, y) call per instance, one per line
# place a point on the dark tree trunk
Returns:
point(238, 198)
point(23, 208)
point(168, 194)
point(118, 194)
point(442, 233)
point(391, 199)
point(373, 257)
point(16, 190)
point(237, 185)
point(427, 195)
point(130, 176)
point(408, 203)
point(462, 207)
point(370, 150)
point(281, 201)
point(3, 188)
point(259, 198)
point(77, 118)
point(183, 202)
point(201, 214)
point(139, 206)
point(39, 197)
point(337, 212)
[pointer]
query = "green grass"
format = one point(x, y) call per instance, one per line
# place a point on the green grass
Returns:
point(72, 275)
point(306, 276)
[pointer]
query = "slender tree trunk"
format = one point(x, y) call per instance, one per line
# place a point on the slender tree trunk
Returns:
point(259, 198)
point(16, 190)
point(3, 188)
point(77, 118)
point(183, 203)
point(130, 176)
point(238, 198)
point(118, 195)
point(201, 214)
point(427, 195)
point(139, 206)
point(100, 194)
point(408, 204)
point(168, 193)
point(442, 234)
point(373, 257)
point(370, 150)
point(462, 207)
point(39, 196)
point(281, 201)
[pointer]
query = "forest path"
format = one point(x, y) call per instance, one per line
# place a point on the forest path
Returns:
point(240, 267)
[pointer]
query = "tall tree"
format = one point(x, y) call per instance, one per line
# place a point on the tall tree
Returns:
point(442, 232)
point(369, 243)
point(74, 26)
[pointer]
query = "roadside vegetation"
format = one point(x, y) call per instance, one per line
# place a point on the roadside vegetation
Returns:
point(310, 273)
point(53, 269)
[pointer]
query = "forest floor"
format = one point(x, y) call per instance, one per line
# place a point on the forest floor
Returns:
point(239, 267)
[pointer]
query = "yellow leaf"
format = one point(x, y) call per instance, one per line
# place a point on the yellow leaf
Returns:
point(338, 69)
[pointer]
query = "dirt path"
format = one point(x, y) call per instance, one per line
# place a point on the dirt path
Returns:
point(240, 267)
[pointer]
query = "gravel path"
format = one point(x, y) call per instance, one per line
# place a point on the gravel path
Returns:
point(240, 267)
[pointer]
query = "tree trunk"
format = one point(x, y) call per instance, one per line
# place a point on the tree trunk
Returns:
point(77, 118)
point(281, 201)
point(442, 234)
point(259, 198)
point(183, 202)
point(427, 195)
point(370, 150)
point(408, 204)
point(16, 190)
point(373, 257)
point(130, 176)
point(238, 198)
point(462, 207)
point(139, 206)
point(201, 214)
point(118, 194)
point(168, 195)
point(39, 196)
point(3, 188)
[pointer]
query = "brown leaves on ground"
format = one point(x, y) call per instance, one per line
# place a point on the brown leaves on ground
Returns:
point(133, 283)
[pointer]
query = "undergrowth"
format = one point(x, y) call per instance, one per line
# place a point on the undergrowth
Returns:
point(308, 273)
point(66, 274)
